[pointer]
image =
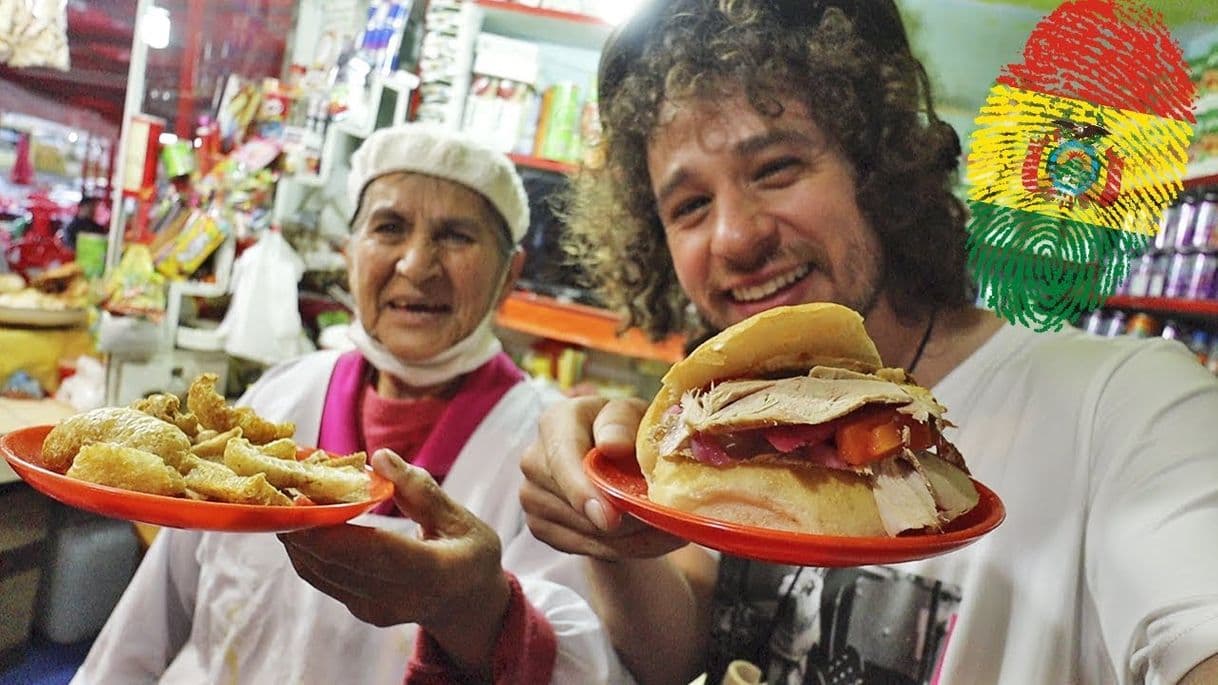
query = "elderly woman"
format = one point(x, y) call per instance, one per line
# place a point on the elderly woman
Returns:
point(432, 253)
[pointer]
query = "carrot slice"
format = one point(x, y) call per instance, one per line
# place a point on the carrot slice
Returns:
point(869, 436)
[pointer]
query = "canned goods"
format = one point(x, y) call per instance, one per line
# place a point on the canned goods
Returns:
point(1096, 322)
point(1178, 276)
point(1166, 235)
point(1158, 275)
point(1171, 330)
point(1186, 220)
point(1201, 276)
point(1143, 326)
point(1205, 233)
point(1116, 325)
point(1139, 277)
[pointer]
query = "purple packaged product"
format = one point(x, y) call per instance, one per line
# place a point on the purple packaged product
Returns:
point(1186, 220)
point(1176, 283)
point(1158, 275)
point(1166, 234)
point(1116, 325)
point(1201, 276)
point(1205, 231)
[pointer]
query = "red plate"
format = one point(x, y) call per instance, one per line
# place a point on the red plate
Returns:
point(623, 483)
point(23, 451)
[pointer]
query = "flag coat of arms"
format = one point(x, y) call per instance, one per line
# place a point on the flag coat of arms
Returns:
point(1078, 150)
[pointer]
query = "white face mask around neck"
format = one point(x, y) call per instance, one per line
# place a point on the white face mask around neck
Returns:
point(471, 352)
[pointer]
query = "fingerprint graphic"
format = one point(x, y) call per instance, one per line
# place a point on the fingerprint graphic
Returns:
point(1040, 271)
point(1077, 151)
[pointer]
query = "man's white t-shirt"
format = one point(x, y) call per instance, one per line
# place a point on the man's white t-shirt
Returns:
point(1105, 570)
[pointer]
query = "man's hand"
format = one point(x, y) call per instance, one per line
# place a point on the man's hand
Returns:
point(562, 506)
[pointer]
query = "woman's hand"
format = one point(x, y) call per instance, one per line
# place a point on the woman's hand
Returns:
point(562, 507)
point(450, 581)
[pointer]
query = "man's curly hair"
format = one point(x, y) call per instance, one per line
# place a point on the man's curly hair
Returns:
point(867, 92)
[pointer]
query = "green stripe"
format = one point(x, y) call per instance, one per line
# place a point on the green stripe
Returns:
point(1043, 271)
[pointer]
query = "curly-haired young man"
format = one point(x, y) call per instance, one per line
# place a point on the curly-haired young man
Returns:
point(760, 153)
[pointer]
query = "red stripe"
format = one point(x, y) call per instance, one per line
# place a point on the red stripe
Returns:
point(1112, 54)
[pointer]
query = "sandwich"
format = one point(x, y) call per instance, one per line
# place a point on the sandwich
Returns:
point(789, 420)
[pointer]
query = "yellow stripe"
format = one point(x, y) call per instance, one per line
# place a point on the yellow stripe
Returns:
point(1154, 150)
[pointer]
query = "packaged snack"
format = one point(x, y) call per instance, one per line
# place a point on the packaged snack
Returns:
point(201, 236)
point(134, 287)
point(34, 33)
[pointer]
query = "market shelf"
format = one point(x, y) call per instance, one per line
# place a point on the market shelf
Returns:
point(1169, 306)
point(542, 164)
point(542, 12)
point(541, 25)
point(1201, 181)
point(582, 325)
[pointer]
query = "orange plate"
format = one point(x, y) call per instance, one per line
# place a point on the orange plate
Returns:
point(623, 483)
point(23, 451)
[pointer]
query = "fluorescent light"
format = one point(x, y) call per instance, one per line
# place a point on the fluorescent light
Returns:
point(617, 12)
point(155, 28)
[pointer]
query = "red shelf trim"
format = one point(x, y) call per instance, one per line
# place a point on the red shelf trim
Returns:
point(582, 325)
point(1166, 305)
point(542, 163)
point(1201, 181)
point(541, 12)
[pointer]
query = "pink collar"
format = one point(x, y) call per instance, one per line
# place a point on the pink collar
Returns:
point(479, 393)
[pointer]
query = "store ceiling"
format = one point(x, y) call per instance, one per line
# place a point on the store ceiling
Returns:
point(964, 43)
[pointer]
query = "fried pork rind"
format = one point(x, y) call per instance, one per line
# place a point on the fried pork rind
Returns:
point(208, 405)
point(207, 453)
point(283, 448)
point(118, 425)
point(128, 468)
point(212, 448)
point(216, 481)
point(355, 459)
point(168, 409)
point(322, 484)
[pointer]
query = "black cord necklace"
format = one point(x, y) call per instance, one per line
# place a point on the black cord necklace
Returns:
point(930, 326)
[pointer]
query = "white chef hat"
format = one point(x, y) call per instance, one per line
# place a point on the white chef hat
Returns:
point(434, 151)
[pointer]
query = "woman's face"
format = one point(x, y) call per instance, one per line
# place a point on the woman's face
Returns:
point(426, 263)
point(759, 211)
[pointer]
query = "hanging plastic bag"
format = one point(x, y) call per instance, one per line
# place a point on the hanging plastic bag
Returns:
point(263, 320)
point(34, 33)
point(85, 389)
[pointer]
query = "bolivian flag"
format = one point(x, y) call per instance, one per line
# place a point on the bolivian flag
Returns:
point(1078, 150)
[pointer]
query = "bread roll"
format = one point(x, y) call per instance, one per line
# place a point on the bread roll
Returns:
point(787, 494)
point(794, 338)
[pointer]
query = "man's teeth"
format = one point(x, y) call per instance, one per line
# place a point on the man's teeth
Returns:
point(758, 292)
